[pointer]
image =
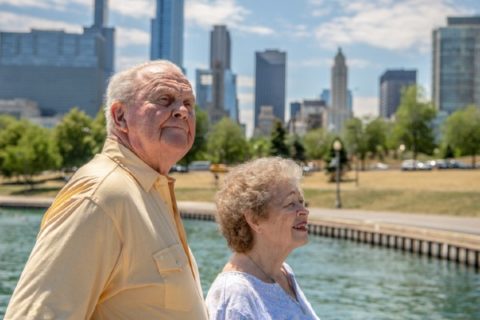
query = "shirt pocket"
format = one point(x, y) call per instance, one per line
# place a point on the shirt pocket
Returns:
point(177, 279)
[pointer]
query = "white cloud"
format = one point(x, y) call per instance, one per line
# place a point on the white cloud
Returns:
point(308, 63)
point(135, 9)
point(206, 13)
point(124, 62)
point(25, 3)
point(245, 81)
point(245, 98)
point(300, 31)
point(58, 5)
point(12, 22)
point(358, 63)
point(389, 24)
point(130, 36)
point(365, 106)
point(260, 30)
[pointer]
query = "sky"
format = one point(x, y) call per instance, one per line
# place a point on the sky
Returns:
point(375, 35)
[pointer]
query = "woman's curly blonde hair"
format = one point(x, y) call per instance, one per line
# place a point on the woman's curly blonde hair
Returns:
point(249, 188)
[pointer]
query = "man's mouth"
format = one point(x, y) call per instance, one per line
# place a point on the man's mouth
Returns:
point(177, 127)
point(302, 226)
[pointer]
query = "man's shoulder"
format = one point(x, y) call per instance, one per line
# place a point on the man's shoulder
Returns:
point(101, 180)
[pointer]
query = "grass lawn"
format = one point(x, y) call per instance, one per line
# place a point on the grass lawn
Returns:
point(452, 192)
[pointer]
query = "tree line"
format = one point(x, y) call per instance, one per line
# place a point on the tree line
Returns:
point(27, 149)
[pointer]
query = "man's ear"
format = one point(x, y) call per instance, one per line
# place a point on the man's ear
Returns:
point(118, 112)
point(252, 221)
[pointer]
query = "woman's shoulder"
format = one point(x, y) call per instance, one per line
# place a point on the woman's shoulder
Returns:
point(234, 292)
point(233, 284)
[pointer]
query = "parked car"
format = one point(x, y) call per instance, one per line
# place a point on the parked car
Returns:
point(411, 165)
point(379, 166)
point(179, 168)
point(438, 164)
point(200, 165)
point(455, 164)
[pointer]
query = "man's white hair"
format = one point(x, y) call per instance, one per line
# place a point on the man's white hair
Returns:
point(124, 86)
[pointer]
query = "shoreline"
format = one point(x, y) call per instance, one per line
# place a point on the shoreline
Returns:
point(444, 237)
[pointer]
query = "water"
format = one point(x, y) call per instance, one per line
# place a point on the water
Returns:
point(341, 279)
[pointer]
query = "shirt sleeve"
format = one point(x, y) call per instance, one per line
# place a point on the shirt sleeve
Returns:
point(69, 266)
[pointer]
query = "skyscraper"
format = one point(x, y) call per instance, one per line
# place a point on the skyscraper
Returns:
point(217, 88)
point(220, 50)
point(167, 32)
point(456, 64)
point(392, 82)
point(58, 70)
point(270, 82)
point(339, 111)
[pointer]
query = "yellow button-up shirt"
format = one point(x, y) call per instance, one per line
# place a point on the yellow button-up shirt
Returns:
point(111, 246)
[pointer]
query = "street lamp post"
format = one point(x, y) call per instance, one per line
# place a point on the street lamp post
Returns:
point(337, 146)
point(401, 148)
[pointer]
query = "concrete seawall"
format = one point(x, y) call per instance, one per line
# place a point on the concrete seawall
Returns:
point(451, 238)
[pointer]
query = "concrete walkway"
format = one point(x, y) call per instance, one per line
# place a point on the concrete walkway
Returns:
point(468, 225)
point(465, 225)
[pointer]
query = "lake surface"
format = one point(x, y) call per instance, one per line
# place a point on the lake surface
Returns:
point(342, 279)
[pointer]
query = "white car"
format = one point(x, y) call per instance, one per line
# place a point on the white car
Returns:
point(410, 165)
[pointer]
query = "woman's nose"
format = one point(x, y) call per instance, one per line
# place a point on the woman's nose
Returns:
point(303, 210)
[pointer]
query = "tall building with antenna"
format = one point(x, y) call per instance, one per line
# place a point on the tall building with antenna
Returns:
point(339, 111)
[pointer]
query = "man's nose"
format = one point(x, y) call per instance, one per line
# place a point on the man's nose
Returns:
point(180, 111)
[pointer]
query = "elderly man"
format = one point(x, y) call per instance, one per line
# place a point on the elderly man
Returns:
point(112, 245)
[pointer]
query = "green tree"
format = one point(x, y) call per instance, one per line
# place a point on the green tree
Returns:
point(259, 146)
point(356, 139)
point(99, 131)
point(376, 137)
point(330, 159)
point(462, 131)
point(226, 143)
point(11, 131)
point(447, 152)
point(297, 150)
point(278, 145)
point(74, 138)
point(316, 143)
point(197, 152)
point(413, 122)
point(34, 152)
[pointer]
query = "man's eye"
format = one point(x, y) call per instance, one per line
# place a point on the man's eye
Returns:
point(162, 101)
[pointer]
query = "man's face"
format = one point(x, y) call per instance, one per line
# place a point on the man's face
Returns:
point(161, 122)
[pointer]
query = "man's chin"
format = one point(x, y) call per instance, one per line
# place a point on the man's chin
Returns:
point(180, 144)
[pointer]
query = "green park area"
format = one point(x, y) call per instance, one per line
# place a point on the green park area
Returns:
point(37, 161)
point(449, 192)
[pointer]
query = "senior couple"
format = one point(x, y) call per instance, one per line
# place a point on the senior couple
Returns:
point(112, 245)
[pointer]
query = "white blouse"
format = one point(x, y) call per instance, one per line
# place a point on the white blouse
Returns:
point(238, 295)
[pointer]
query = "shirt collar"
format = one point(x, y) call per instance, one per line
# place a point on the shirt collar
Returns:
point(144, 174)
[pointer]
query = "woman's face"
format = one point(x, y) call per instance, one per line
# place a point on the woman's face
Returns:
point(286, 225)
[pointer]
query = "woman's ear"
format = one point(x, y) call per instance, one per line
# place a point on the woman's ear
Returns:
point(118, 111)
point(252, 221)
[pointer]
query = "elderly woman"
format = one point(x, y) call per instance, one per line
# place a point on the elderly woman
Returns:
point(262, 215)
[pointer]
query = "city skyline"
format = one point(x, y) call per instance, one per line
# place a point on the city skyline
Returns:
point(374, 36)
